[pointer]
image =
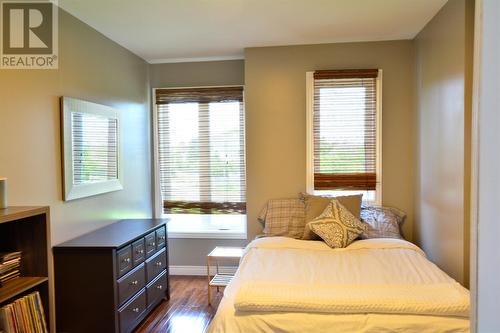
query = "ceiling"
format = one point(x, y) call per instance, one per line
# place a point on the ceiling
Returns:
point(197, 30)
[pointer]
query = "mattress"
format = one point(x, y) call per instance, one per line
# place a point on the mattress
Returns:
point(294, 262)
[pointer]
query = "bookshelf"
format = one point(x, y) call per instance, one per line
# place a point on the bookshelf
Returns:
point(27, 229)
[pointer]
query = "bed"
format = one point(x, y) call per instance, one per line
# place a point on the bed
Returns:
point(373, 285)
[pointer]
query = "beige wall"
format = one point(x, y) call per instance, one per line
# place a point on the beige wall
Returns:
point(93, 68)
point(192, 252)
point(197, 74)
point(443, 138)
point(468, 80)
point(276, 112)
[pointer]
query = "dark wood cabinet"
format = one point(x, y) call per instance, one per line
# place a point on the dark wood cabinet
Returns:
point(109, 280)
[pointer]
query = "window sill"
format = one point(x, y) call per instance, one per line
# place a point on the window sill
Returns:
point(370, 198)
point(206, 226)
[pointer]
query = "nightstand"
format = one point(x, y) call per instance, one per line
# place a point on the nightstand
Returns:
point(218, 255)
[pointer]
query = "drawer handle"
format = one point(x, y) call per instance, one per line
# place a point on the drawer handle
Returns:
point(139, 251)
point(162, 237)
point(158, 263)
point(126, 260)
point(136, 310)
point(134, 283)
point(152, 244)
point(160, 287)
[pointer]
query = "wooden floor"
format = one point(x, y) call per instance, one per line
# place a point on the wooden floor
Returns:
point(187, 311)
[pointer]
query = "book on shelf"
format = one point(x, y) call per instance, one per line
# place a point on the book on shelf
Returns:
point(24, 315)
point(9, 276)
point(10, 263)
point(6, 256)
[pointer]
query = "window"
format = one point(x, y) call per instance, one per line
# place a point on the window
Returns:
point(344, 145)
point(201, 150)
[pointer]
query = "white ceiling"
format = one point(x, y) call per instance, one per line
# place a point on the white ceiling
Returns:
point(195, 30)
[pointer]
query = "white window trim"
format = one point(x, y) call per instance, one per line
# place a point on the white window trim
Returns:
point(310, 138)
point(211, 226)
point(190, 230)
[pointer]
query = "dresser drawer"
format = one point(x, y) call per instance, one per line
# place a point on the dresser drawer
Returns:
point(150, 244)
point(138, 252)
point(131, 283)
point(129, 313)
point(124, 260)
point(156, 289)
point(156, 264)
point(161, 238)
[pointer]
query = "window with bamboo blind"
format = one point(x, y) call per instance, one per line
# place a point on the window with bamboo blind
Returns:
point(201, 150)
point(344, 119)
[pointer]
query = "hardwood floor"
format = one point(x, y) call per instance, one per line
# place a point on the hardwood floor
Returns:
point(187, 311)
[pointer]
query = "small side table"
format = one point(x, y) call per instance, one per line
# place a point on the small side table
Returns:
point(217, 255)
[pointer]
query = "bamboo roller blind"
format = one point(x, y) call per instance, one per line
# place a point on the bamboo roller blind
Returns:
point(344, 129)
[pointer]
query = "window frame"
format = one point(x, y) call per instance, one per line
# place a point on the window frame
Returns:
point(235, 224)
point(310, 140)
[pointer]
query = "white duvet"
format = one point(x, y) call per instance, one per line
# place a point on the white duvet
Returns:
point(376, 285)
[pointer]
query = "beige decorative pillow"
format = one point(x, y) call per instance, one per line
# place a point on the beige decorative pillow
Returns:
point(283, 217)
point(315, 205)
point(336, 225)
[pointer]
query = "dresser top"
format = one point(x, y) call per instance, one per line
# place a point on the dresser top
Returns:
point(114, 235)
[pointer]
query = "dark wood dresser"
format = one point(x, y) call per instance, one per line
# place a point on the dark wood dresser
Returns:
point(109, 280)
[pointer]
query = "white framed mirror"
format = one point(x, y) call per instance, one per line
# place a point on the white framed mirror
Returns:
point(91, 149)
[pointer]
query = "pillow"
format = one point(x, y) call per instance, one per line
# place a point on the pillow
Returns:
point(262, 215)
point(315, 205)
point(283, 217)
point(336, 225)
point(382, 222)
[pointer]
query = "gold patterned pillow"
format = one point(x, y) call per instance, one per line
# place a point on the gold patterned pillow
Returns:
point(336, 225)
point(315, 205)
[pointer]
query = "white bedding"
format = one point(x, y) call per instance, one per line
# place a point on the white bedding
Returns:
point(289, 262)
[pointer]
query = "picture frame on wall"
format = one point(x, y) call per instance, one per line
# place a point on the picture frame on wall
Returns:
point(91, 149)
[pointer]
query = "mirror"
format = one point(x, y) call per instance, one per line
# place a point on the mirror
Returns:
point(91, 149)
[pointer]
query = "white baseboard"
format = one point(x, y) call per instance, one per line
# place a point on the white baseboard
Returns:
point(200, 270)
